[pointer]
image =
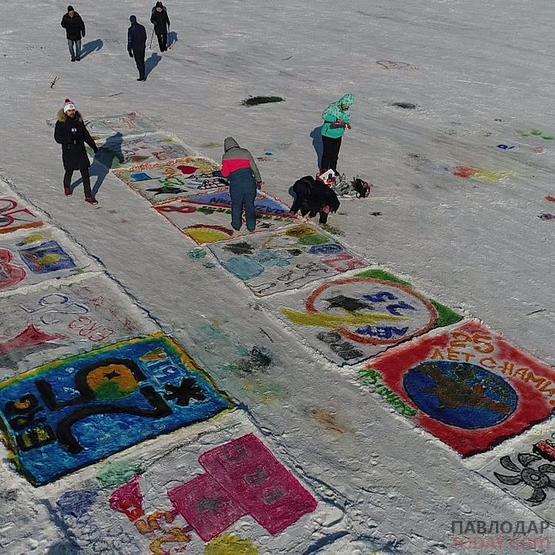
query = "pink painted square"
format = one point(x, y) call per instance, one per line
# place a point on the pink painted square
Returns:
point(206, 506)
point(251, 474)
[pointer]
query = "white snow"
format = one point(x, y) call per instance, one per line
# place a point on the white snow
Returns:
point(480, 73)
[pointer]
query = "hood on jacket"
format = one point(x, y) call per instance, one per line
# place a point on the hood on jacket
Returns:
point(229, 143)
point(62, 117)
point(347, 100)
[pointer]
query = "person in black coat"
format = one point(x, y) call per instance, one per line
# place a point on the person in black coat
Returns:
point(72, 134)
point(161, 22)
point(75, 30)
point(313, 196)
point(136, 45)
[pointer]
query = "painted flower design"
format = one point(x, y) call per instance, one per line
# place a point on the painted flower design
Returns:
point(537, 478)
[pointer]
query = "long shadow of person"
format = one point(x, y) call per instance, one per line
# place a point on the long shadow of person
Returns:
point(317, 144)
point(104, 160)
point(90, 47)
point(172, 38)
point(151, 63)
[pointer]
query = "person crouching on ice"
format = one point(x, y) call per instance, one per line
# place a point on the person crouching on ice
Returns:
point(313, 196)
point(239, 167)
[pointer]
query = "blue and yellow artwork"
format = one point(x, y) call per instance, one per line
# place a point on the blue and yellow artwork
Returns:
point(71, 413)
point(264, 204)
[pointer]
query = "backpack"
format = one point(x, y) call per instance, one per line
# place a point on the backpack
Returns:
point(357, 188)
point(361, 187)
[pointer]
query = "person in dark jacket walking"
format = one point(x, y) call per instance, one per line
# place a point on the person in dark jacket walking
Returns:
point(72, 134)
point(161, 22)
point(75, 30)
point(239, 167)
point(313, 196)
point(136, 45)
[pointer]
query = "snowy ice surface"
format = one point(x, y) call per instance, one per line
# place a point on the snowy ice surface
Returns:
point(480, 74)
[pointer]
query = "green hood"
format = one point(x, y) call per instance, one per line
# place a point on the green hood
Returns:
point(334, 112)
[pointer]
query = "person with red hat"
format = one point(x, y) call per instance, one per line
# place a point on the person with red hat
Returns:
point(71, 133)
point(75, 30)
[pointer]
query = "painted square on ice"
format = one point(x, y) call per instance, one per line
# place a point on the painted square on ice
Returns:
point(16, 214)
point(181, 178)
point(468, 386)
point(526, 470)
point(206, 223)
point(64, 319)
point(129, 151)
point(33, 257)
point(263, 202)
point(286, 259)
point(352, 319)
point(71, 413)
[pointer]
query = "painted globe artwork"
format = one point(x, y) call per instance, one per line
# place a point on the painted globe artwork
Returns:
point(460, 394)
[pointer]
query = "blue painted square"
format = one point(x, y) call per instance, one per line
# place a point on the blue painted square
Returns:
point(71, 413)
point(140, 176)
point(263, 204)
point(47, 257)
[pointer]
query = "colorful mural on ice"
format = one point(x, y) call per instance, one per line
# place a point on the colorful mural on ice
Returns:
point(225, 494)
point(181, 178)
point(133, 123)
point(352, 319)
point(64, 319)
point(526, 470)
point(16, 214)
point(128, 151)
point(468, 386)
point(206, 223)
point(264, 203)
point(33, 257)
point(286, 259)
point(68, 414)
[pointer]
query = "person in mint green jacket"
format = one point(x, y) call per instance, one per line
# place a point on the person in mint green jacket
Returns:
point(337, 118)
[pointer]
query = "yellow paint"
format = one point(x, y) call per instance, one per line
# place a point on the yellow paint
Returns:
point(49, 259)
point(230, 545)
point(33, 238)
point(203, 235)
point(332, 321)
point(491, 177)
point(112, 381)
point(154, 356)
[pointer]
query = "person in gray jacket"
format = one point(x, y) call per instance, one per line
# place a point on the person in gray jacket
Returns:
point(239, 167)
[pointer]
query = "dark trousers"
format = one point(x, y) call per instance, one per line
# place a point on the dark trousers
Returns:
point(85, 175)
point(242, 189)
point(74, 48)
point(162, 41)
point(330, 154)
point(139, 55)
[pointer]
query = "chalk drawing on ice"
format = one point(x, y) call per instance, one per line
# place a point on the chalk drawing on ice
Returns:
point(349, 320)
point(468, 386)
point(285, 259)
point(175, 179)
point(206, 223)
point(71, 413)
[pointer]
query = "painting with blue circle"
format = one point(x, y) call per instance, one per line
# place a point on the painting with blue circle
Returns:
point(460, 394)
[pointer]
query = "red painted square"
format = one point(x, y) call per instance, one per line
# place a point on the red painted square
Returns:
point(248, 470)
point(471, 388)
point(206, 506)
